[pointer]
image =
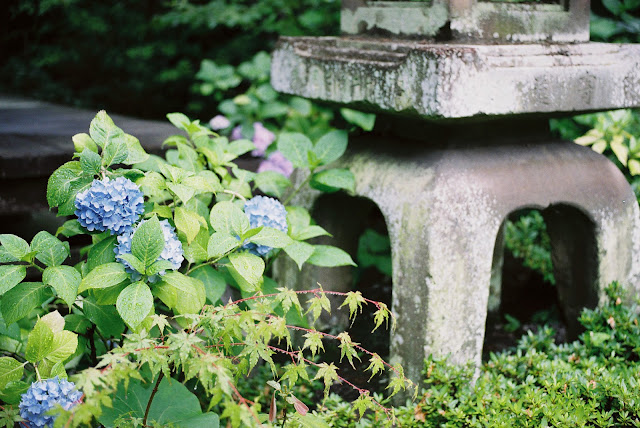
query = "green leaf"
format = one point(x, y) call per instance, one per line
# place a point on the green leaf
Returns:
point(39, 342)
point(63, 186)
point(91, 162)
point(54, 320)
point(190, 292)
point(295, 147)
point(103, 130)
point(70, 228)
point(187, 222)
point(22, 299)
point(328, 256)
point(271, 238)
point(159, 266)
point(102, 253)
point(250, 267)
point(299, 252)
point(173, 404)
point(332, 180)
point(272, 183)
point(15, 246)
point(240, 147)
point(226, 217)
point(331, 146)
point(65, 280)
point(134, 303)
point(298, 219)
point(366, 121)
point(83, 141)
point(135, 152)
point(220, 243)
point(115, 151)
point(11, 370)
point(147, 242)
point(179, 120)
point(182, 191)
point(105, 317)
point(63, 346)
point(213, 281)
point(311, 232)
point(10, 276)
point(12, 393)
point(49, 249)
point(135, 262)
point(104, 276)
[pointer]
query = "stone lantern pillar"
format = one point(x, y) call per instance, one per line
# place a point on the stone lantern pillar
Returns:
point(463, 90)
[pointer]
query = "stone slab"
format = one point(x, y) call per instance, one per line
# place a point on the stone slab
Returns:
point(454, 81)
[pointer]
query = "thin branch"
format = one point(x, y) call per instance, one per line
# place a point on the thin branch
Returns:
point(153, 393)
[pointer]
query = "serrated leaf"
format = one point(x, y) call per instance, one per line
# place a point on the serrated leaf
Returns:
point(221, 243)
point(182, 191)
point(134, 303)
point(271, 238)
point(63, 186)
point(11, 370)
point(250, 267)
point(634, 166)
point(83, 141)
point(63, 346)
point(187, 222)
point(90, 162)
point(272, 183)
point(70, 228)
point(190, 292)
point(135, 153)
point(115, 151)
point(103, 276)
point(240, 147)
point(22, 299)
point(10, 276)
point(213, 281)
point(331, 146)
point(102, 253)
point(295, 147)
point(159, 266)
point(226, 217)
point(54, 320)
point(147, 242)
point(135, 262)
point(39, 342)
point(105, 318)
point(299, 252)
point(329, 256)
point(49, 249)
point(15, 246)
point(103, 130)
point(311, 231)
point(332, 180)
point(65, 280)
point(620, 149)
point(179, 120)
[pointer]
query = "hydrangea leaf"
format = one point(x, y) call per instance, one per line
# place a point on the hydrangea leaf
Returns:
point(196, 252)
point(330, 147)
point(10, 276)
point(366, 121)
point(115, 151)
point(221, 243)
point(109, 295)
point(133, 261)
point(329, 256)
point(11, 370)
point(240, 147)
point(12, 392)
point(152, 184)
point(311, 231)
point(332, 180)
point(39, 342)
point(190, 292)
point(103, 276)
point(202, 183)
point(49, 249)
point(147, 242)
point(213, 281)
point(298, 219)
point(22, 299)
point(91, 162)
point(83, 141)
point(295, 147)
point(250, 267)
point(228, 218)
point(272, 183)
point(158, 266)
point(105, 318)
point(182, 191)
point(70, 228)
point(135, 152)
point(63, 346)
point(271, 237)
point(64, 184)
point(15, 246)
point(134, 303)
point(102, 129)
point(101, 253)
point(187, 222)
point(55, 321)
point(299, 252)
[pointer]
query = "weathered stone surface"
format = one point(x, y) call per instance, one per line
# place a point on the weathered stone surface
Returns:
point(453, 81)
point(444, 206)
point(469, 20)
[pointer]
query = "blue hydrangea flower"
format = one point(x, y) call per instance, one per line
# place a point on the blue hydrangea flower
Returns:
point(264, 211)
point(172, 251)
point(113, 205)
point(43, 396)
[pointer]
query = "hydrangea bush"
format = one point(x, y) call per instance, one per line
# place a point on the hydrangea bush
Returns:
point(140, 310)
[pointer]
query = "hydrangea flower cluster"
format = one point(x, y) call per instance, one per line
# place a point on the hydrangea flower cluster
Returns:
point(262, 138)
point(264, 211)
point(278, 163)
point(219, 122)
point(172, 251)
point(113, 205)
point(43, 396)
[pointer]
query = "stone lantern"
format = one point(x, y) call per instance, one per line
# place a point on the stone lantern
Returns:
point(463, 90)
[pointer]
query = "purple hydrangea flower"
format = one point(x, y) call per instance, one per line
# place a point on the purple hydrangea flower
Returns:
point(113, 205)
point(43, 396)
point(262, 138)
point(264, 211)
point(236, 133)
point(172, 251)
point(278, 163)
point(219, 122)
